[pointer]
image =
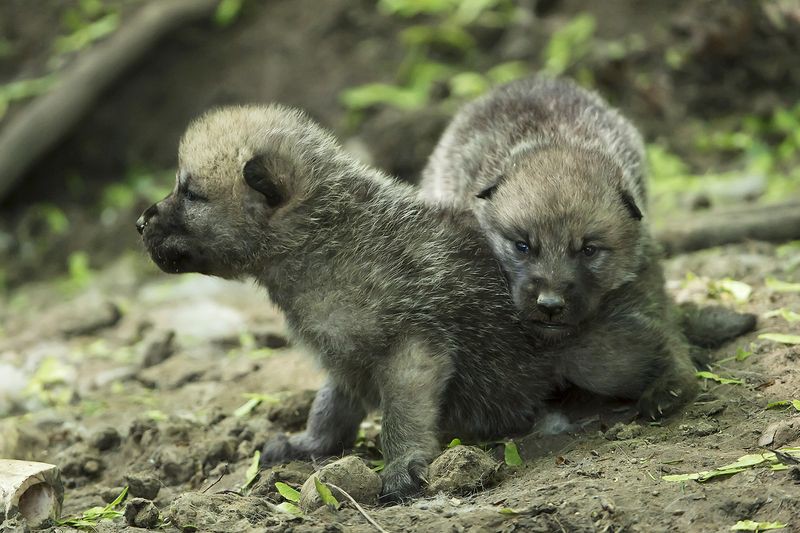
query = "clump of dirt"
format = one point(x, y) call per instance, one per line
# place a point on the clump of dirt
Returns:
point(460, 470)
point(348, 474)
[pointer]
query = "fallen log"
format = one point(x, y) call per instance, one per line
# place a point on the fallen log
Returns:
point(773, 223)
point(40, 125)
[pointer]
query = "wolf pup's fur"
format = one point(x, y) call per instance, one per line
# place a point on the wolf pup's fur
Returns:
point(404, 307)
point(556, 179)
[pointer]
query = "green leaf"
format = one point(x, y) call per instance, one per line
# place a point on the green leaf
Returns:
point(289, 508)
point(781, 337)
point(246, 408)
point(782, 286)
point(511, 454)
point(725, 381)
point(227, 12)
point(779, 403)
point(91, 517)
point(749, 525)
point(508, 511)
point(468, 85)
point(252, 472)
point(569, 44)
point(287, 492)
point(454, 443)
point(786, 314)
point(254, 401)
point(506, 72)
point(738, 289)
point(742, 354)
point(325, 494)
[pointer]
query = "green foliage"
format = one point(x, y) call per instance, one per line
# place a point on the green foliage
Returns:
point(252, 471)
point(738, 289)
point(569, 44)
point(454, 443)
point(78, 267)
point(743, 463)
point(325, 494)
point(287, 492)
point(86, 34)
point(412, 96)
point(782, 286)
point(91, 518)
point(254, 400)
point(782, 338)
point(448, 24)
point(23, 89)
point(786, 314)
point(511, 454)
point(784, 404)
point(749, 525)
point(725, 381)
point(227, 12)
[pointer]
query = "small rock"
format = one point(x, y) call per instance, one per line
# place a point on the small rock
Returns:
point(292, 412)
point(780, 433)
point(700, 428)
point(140, 512)
point(93, 467)
point(460, 470)
point(144, 484)
point(349, 474)
point(621, 431)
point(104, 439)
point(157, 346)
point(92, 319)
point(175, 464)
point(295, 473)
point(271, 340)
point(219, 451)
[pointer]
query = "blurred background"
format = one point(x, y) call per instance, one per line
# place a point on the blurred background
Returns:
point(713, 85)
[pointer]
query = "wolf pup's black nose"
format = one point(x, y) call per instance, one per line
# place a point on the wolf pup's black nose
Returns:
point(142, 221)
point(550, 304)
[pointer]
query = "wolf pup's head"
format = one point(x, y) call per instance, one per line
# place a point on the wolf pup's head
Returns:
point(566, 231)
point(234, 186)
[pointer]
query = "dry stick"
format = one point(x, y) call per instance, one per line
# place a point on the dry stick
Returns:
point(775, 223)
point(359, 508)
point(40, 125)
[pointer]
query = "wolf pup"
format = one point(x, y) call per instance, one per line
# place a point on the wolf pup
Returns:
point(556, 180)
point(405, 308)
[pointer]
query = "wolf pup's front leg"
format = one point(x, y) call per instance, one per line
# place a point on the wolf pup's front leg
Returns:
point(332, 427)
point(412, 386)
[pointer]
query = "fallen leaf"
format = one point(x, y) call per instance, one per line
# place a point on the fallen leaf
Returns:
point(782, 286)
point(781, 337)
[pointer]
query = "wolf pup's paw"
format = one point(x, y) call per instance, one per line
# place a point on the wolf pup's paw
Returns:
point(666, 396)
point(403, 478)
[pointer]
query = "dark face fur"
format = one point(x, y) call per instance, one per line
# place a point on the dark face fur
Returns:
point(216, 220)
point(566, 233)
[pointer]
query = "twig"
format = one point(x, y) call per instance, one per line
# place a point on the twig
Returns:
point(358, 507)
point(222, 475)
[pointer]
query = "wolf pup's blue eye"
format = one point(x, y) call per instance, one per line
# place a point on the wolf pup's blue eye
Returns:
point(522, 246)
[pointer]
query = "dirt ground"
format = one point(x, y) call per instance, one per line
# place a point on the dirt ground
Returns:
point(139, 377)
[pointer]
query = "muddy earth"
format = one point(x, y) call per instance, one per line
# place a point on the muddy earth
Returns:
point(169, 385)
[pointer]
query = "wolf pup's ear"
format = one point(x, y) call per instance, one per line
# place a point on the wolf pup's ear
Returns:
point(630, 204)
point(263, 176)
point(488, 192)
